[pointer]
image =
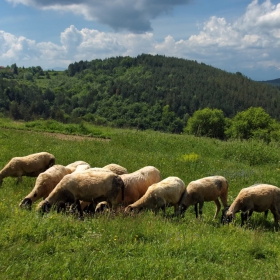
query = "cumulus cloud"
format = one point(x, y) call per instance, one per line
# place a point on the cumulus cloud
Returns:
point(132, 15)
point(250, 42)
point(76, 45)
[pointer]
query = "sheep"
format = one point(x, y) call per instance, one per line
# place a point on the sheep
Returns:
point(89, 207)
point(119, 170)
point(73, 166)
point(31, 166)
point(45, 183)
point(205, 189)
point(86, 186)
point(159, 195)
point(259, 198)
point(81, 167)
point(137, 183)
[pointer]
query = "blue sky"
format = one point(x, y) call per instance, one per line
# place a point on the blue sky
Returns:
point(232, 35)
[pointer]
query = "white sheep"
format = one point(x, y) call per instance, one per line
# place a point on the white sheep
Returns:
point(258, 198)
point(45, 183)
point(79, 163)
point(160, 195)
point(205, 189)
point(86, 186)
point(137, 183)
point(31, 166)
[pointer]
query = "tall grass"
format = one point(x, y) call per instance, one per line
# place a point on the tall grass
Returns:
point(143, 246)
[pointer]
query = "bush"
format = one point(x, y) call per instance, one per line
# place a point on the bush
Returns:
point(207, 122)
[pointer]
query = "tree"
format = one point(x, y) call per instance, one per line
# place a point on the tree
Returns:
point(15, 68)
point(251, 123)
point(207, 122)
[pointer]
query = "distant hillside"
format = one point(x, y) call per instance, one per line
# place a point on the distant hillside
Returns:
point(147, 92)
point(275, 82)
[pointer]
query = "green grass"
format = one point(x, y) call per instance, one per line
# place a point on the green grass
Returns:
point(143, 246)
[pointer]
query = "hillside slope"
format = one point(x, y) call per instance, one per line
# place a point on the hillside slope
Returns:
point(147, 92)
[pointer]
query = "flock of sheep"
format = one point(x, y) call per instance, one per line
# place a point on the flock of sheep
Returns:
point(83, 187)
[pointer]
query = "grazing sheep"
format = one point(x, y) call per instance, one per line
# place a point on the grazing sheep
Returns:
point(45, 183)
point(86, 186)
point(137, 183)
point(205, 189)
point(116, 168)
point(73, 166)
point(259, 198)
point(90, 207)
point(31, 165)
point(159, 195)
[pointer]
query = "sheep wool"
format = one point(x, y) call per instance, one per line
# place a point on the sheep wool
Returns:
point(31, 166)
point(160, 195)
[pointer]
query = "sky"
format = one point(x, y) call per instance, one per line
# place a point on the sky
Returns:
point(232, 35)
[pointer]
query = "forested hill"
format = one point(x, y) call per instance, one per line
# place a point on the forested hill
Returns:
point(148, 92)
point(275, 82)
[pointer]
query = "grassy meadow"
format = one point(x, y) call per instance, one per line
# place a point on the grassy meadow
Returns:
point(142, 246)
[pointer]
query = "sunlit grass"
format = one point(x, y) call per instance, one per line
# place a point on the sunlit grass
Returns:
point(142, 246)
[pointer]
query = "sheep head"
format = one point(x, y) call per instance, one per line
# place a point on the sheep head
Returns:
point(44, 206)
point(26, 203)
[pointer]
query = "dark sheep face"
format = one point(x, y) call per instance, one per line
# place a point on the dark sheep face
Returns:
point(225, 219)
point(182, 209)
point(46, 207)
point(26, 203)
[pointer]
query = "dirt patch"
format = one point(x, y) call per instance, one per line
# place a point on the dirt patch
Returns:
point(70, 137)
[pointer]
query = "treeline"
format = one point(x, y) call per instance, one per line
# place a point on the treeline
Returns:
point(145, 92)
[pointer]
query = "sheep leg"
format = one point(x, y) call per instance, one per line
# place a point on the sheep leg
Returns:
point(79, 208)
point(276, 217)
point(244, 216)
point(19, 179)
point(218, 207)
point(265, 214)
point(200, 207)
point(195, 210)
point(275, 213)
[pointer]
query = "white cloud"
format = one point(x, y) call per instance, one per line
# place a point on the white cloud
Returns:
point(252, 41)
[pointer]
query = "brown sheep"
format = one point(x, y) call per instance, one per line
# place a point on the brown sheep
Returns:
point(31, 166)
point(137, 183)
point(205, 189)
point(160, 195)
point(258, 198)
point(86, 186)
point(45, 183)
